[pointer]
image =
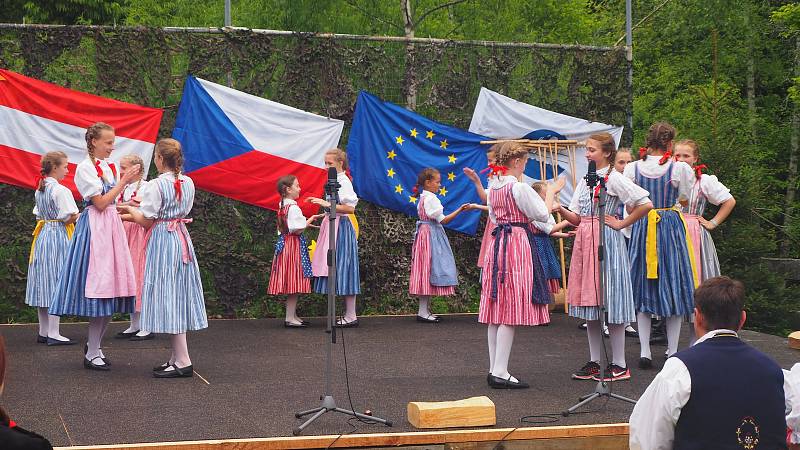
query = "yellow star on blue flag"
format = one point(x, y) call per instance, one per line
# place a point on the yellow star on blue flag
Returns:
point(386, 177)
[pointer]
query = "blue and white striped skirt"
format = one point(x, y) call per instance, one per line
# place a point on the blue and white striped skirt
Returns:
point(48, 260)
point(69, 296)
point(348, 281)
point(672, 293)
point(172, 291)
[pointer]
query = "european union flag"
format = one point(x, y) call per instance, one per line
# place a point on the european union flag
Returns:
point(389, 145)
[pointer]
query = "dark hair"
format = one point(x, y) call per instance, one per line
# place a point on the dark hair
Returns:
point(607, 145)
point(427, 173)
point(50, 161)
point(659, 136)
point(283, 185)
point(721, 300)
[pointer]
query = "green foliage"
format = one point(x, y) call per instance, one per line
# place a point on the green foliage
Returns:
point(74, 12)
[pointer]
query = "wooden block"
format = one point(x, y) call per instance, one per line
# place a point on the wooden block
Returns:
point(559, 299)
point(794, 340)
point(471, 412)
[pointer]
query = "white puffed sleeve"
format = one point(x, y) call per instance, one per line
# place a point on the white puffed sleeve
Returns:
point(151, 200)
point(546, 227)
point(87, 181)
point(791, 391)
point(347, 195)
point(683, 178)
point(629, 193)
point(295, 220)
point(574, 202)
point(716, 192)
point(630, 170)
point(64, 202)
point(433, 206)
point(529, 202)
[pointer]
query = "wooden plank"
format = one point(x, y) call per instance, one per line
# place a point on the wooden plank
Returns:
point(470, 412)
point(590, 433)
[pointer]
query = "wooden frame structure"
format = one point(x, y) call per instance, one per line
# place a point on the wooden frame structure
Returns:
point(547, 152)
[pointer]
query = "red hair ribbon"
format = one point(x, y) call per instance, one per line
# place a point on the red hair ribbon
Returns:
point(495, 170)
point(415, 190)
point(40, 179)
point(665, 158)
point(698, 170)
point(642, 152)
point(177, 185)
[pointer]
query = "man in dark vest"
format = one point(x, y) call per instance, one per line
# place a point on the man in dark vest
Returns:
point(719, 394)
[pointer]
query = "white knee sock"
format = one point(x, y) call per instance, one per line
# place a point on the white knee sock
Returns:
point(617, 332)
point(492, 339)
point(53, 331)
point(424, 306)
point(350, 308)
point(505, 339)
point(44, 320)
point(291, 309)
point(673, 333)
point(96, 326)
point(135, 322)
point(643, 323)
point(180, 350)
point(595, 340)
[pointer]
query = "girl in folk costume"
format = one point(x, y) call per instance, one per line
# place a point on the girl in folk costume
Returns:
point(433, 268)
point(98, 278)
point(172, 291)
point(136, 244)
point(544, 246)
point(706, 189)
point(513, 290)
point(662, 272)
point(584, 269)
point(487, 232)
point(56, 213)
point(291, 267)
point(348, 282)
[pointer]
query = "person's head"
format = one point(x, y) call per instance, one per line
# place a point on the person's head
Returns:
point(429, 179)
point(168, 156)
point(100, 140)
point(288, 187)
point(622, 159)
point(128, 161)
point(54, 164)
point(601, 148)
point(659, 137)
point(513, 156)
point(337, 158)
point(540, 187)
point(687, 151)
point(719, 304)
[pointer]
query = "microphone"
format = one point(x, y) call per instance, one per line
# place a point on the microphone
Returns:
point(591, 175)
point(332, 173)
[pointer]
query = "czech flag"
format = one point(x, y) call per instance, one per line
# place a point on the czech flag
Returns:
point(37, 117)
point(237, 145)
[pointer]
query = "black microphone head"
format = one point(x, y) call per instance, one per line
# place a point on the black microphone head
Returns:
point(332, 173)
point(592, 166)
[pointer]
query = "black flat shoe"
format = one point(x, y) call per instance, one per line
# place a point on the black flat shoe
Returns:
point(287, 324)
point(305, 322)
point(51, 342)
point(146, 337)
point(92, 366)
point(343, 324)
point(177, 372)
point(161, 367)
point(430, 319)
point(41, 339)
point(645, 363)
point(502, 383)
point(124, 335)
point(86, 350)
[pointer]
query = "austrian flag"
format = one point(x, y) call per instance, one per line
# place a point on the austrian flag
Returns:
point(37, 117)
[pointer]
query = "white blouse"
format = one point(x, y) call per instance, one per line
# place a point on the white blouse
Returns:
point(546, 227)
point(132, 188)
point(716, 192)
point(347, 195)
point(63, 199)
point(527, 200)
point(682, 174)
point(151, 196)
point(87, 181)
point(617, 185)
point(432, 205)
point(295, 220)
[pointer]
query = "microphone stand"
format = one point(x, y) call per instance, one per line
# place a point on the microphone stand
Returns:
point(602, 389)
point(328, 402)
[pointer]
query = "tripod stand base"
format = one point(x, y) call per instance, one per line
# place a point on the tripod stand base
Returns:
point(329, 405)
point(601, 390)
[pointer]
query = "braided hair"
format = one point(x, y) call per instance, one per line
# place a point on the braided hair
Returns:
point(50, 161)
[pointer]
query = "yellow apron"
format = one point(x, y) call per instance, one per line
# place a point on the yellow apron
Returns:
point(39, 224)
point(313, 246)
point(653, 218)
